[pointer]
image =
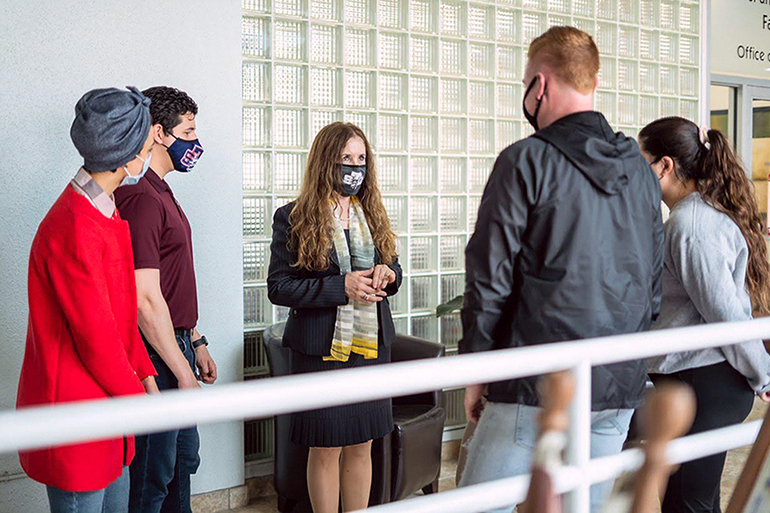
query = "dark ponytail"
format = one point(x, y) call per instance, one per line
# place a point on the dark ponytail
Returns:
point(722, 182)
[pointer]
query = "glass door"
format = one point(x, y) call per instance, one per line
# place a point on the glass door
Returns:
point(724, 105)
point(742, 112)
point(756, 156)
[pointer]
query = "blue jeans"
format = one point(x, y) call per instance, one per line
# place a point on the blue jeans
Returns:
point(164, 462)
point(113, 499)
point(504, 443)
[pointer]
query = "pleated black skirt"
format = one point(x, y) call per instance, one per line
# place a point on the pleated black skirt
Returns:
point(340, 426)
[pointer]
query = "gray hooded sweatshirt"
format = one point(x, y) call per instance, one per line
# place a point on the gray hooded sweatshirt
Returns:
point(704, 281)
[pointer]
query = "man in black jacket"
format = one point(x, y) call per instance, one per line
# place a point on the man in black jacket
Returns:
point(568, 245)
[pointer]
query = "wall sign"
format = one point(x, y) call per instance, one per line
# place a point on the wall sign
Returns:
point(740, 37)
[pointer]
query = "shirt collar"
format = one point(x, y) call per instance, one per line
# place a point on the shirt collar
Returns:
point(86, 186)
point(156, 181)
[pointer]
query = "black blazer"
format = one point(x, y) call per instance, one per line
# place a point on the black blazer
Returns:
point(314, 296)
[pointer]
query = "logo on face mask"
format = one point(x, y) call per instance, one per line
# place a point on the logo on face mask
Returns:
point(191, 156)
point(352, 178)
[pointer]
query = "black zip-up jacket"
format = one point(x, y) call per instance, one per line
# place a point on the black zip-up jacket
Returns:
point(568, 245)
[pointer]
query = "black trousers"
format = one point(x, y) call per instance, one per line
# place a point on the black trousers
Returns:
point(723, 398)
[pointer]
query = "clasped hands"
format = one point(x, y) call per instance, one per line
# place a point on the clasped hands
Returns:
point(369, 286)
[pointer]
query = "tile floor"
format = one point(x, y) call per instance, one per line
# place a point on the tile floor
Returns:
point(733, 467)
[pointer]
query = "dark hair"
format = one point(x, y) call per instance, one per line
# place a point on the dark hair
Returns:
point(722, 182)
point(168, 106)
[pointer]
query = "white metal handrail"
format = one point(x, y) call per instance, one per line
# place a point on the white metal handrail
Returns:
point(513, 490)
point(31, 428)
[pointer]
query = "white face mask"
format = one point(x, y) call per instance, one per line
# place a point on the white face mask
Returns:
point(133, 180)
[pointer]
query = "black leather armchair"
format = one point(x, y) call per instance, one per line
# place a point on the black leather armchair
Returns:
point(404, 462)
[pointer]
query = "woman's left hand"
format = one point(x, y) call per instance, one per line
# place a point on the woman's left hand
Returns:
point(382, 276)
point(150, 385)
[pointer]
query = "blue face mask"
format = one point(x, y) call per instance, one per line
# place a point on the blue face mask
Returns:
point(184, 154)
point(133, 180)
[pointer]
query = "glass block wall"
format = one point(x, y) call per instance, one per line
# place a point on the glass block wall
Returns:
point(436, 85)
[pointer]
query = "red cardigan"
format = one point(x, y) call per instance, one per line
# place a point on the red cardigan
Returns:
point(82, 340)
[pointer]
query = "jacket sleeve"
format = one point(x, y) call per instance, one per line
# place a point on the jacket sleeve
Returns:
point(658, 241)
point(392, 288)
point(284, 285)
point(705, 271)
point(78, 277)
point(492, 250)
point(139, 358)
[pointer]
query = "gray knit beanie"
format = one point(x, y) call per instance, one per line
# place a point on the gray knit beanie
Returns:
point(110, 127)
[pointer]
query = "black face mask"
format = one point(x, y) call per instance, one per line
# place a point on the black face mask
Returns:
point(352, 178)
point(532, 118)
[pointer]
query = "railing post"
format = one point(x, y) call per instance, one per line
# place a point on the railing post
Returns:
point(579, 446)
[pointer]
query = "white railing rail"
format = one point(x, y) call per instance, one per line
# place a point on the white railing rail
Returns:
point(505, 492)
point(47, 426)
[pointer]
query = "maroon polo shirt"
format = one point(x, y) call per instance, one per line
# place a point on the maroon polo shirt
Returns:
point(162, 239)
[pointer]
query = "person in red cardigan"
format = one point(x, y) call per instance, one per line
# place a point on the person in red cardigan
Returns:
point(83, 342)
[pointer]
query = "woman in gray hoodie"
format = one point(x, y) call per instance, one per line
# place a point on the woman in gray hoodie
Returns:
point(716, 270)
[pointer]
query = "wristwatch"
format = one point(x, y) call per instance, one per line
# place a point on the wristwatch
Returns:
point(200, 342)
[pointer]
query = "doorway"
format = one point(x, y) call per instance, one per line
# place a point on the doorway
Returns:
point(742, 112)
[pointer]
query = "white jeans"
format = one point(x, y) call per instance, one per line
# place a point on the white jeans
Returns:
point(505, 439)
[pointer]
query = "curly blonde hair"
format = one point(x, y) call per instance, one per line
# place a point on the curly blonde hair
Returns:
point(312, 222)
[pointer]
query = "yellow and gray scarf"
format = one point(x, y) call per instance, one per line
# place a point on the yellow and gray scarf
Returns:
point(356, 327)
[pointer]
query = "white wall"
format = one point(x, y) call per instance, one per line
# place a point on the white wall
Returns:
point(50, 54)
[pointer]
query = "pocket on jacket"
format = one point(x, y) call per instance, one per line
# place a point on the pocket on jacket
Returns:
point(547, 281)
point(310, 330)
point(536, 293)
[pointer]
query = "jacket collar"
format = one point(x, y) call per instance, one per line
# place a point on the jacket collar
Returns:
point(605, 158)
point(590, 122)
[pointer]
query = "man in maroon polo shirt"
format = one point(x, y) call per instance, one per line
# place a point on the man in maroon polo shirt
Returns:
point(167, 300)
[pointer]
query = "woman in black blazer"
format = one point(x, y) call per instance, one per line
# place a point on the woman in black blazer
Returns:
point(333, 263)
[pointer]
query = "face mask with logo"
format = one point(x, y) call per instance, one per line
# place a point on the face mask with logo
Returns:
point(134, 179)
point(184, 154)
point(352, 179)
point(532, 118)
